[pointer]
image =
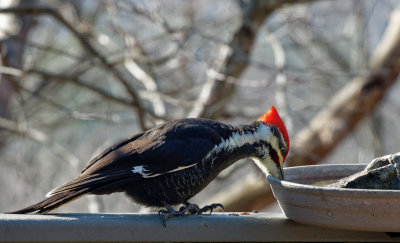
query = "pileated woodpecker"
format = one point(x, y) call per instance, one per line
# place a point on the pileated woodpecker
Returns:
point(172, 162)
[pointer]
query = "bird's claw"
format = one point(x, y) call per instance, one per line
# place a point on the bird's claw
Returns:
point(170, 212)
point(211, 208)
point(189, 208)
point(166, 214)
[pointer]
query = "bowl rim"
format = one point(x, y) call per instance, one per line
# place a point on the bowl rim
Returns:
point(274, 182)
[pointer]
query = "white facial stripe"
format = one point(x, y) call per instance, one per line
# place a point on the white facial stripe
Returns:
point(145, 173)
point(267, 166)
point(237, 140)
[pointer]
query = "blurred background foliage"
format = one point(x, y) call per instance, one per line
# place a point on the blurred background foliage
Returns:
point(77, 76)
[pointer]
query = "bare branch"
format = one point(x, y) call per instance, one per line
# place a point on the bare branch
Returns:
point(77, 81)
point(11, 71)
point(208, 87)
point(352, 103)
point(215, 95)
point(137, 71)
point(40, 137)
point(281, 77)
point(84, 116)
point(150, 85)
point(153, 16)
point(344, 111)
point(88, 47)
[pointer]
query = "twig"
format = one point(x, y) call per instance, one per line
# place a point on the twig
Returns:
point(352, 103)
point(88, 47)
point(153, 16)
point(74, 113)
point(281, 77)
point(79, 82)
point(150, 85)
point(40, 137)
point(76, 81)
point(215, 95)
point(11, 71)
point(208, 88)
point(138, 72)
point(328, 128)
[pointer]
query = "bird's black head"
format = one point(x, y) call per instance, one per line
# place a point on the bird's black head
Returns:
point(274, 146)
point(266, 140)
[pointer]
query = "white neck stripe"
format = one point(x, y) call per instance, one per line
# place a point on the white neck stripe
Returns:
point(262, 133)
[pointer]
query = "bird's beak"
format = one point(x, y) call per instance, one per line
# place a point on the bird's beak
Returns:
point(281, 174)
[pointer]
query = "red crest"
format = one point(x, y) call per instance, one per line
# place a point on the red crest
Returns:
point(272, 117)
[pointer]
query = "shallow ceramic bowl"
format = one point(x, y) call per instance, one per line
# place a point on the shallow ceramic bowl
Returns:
point(355, 209)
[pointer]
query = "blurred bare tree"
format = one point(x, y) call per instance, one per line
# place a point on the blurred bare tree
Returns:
point(77, 76)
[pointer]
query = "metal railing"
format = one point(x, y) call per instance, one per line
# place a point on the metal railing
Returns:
point(149, 227)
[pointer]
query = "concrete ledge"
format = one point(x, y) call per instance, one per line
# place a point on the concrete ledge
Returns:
point(148, 227)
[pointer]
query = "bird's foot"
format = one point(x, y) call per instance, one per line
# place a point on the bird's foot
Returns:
point(189, 208)
point(211, 208)
point(169, 212)
point(195, 209)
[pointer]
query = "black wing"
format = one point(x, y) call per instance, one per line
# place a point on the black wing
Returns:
point(167, 147)
point(181, 144)
point(164, 149)
point(115, 153)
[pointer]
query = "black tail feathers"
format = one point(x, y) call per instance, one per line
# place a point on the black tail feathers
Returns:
point(51, 202)
point(80, 186)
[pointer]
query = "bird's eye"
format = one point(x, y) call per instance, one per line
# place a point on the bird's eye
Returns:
point(283, 150)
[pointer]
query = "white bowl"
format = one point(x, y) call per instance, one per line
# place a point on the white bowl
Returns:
point(341, 208)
